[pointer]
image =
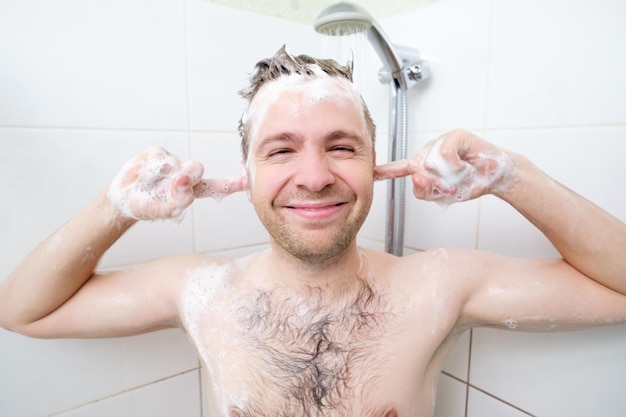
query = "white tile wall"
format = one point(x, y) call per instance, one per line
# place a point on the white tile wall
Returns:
point(451, 398)
point(175, 396)
point(457, 48)
point(480, 404)
point(562, 374)
point(116, 64)
point(556, 63)
point(85, 86)
point(42, 377)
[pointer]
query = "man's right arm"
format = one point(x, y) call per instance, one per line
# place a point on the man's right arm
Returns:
point(53, 286)
point(57, 268)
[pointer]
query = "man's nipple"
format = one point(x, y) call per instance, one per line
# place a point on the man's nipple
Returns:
point(391, 413)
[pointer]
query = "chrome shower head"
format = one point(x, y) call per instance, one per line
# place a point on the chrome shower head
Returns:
point(345, 18)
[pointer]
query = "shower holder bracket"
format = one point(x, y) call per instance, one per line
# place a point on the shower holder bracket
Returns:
point(414, 68)
point(410, 75)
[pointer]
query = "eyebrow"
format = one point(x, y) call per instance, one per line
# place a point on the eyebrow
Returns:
point(343, 134)
point(283, 137)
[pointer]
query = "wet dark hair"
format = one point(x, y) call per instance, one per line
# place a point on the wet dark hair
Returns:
point(284, 64)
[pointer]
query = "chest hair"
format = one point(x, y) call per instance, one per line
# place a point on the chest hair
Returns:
point(314, 356)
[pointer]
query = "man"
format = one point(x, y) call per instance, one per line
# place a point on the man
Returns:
point(317, 326)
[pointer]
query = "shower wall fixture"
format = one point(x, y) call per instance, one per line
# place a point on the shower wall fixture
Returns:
point(402, 69)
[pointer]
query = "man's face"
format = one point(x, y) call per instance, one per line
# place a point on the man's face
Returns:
point(310, 165)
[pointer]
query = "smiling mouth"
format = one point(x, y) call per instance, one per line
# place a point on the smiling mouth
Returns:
point(318, 211)
point(314, 206)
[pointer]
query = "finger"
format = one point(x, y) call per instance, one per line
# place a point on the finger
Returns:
point(391, 170)
point(183, 195)
point(181, 185)
point(430, 188)
point(194, 170)
point(220, 187)
point(421, 186)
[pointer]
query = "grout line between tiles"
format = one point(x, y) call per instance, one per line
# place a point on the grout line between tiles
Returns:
point(122, 129)
point(126, 391)
point(469, 368)
point(488, 69)
point(502, 401)
point(468, 386)
point(200, 388)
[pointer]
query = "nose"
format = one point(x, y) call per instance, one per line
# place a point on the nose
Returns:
point(313, 171)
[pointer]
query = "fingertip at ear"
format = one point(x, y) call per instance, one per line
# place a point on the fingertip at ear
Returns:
point(182, 184)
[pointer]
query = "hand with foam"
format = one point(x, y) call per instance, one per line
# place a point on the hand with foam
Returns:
point(156, 185)
point(458, 166)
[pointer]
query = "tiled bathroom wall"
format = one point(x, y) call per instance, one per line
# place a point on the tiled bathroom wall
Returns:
point(84, 86)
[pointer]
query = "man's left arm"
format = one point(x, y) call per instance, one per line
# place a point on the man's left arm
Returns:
point(587, 237)
point(460, 166)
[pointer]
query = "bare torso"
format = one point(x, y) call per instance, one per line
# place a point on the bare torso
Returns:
point(269, 350)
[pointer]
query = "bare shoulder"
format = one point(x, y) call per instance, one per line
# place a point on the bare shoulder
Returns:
point(193, 272)
point(424, 279)
point(441, 266)
point(214, 282)
point(158, 286)
point(171, 273)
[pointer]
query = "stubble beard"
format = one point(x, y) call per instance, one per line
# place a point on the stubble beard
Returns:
point(317, 251)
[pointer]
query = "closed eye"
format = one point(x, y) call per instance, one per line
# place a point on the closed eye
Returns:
point(279, 152)
point(343, 152)
point(343, 149)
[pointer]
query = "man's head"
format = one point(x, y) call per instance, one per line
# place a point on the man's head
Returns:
point(283, 64)
point(307, 141)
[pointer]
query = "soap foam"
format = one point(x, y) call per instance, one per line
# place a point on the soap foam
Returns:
point(143, 187)
point(510, 323)
point(316, 89)
point(458, 183)
point(201, 308)
point(198, 297)
point(220, 187)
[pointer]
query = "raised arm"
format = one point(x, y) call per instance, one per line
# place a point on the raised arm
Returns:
point(460, 166)
point(54, 291)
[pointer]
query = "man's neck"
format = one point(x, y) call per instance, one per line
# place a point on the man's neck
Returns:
point(335, 275)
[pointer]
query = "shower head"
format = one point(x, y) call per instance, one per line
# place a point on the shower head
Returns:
point(345, 18)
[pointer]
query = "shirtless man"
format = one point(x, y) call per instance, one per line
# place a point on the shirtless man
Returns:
point(317, 326)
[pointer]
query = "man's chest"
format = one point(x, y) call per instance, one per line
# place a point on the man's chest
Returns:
point(270, 355)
